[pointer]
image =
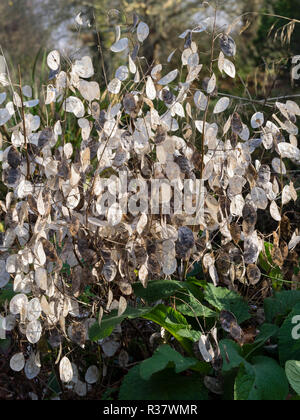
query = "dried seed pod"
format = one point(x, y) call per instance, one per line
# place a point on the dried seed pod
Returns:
point(183, 164)
point(236, 123)
point(250, 218)
point(45, 137)
point(14, 157)
point(161, 135)
point(235, 231)
point(228, 45)
point(277, 256)
point(129, 103)
point(185, 241)
point(253, 274)
point(229, 324)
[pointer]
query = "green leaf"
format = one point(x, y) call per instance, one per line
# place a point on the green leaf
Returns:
point(231, 354)
point(264, 380)
point(267, 331)
point(163, 357)
point(281, 304)
point(173, 322)
point(187, 296)
point(53, 384)
point(192, 305)
point(292, 370)
point(6, 293)
point(267, 264)
point(162, 386)
point(288, 344)
point(227, 300)
point(158, 289)
point(193, 335)
point(109, 322)
point(5, 345)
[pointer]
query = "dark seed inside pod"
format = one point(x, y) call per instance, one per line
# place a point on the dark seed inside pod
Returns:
point(183, 164)
point(249, 214)
point(13, 157)
point(167, 96)
point(185, 241)
point(228, 45)
point(129, 103)
point(45, 136)
point(11, 176)
point(236, 123)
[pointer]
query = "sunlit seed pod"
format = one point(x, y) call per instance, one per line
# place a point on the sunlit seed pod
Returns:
point(142, 31)
point(34, 309)
point(34, 331)
point(206, 349)
point(65, 370)
point(17, 303)
point(259, 198)
point(17, 362)
point(169, 78)
point(229, 68)
point(120, 45)
point(53, 60)
point(114, 86)
point(84, 67)
point(221, 105)
point(109, 271)
point(9, 322)
point(122, 73)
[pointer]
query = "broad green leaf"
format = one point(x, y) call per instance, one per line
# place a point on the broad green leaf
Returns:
point(181, 291)
point(231, 354)
point(264, 380)
point(162, 386)
point(189, 305)
point(158, 289)
point(173, 322)
point(165, 357)
point(190, 334)
point(280, 304)
point(288, 343)
point(267, 331)
point(109, 322)
point(5, 345)
point(292, 370)
point(224, 299)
